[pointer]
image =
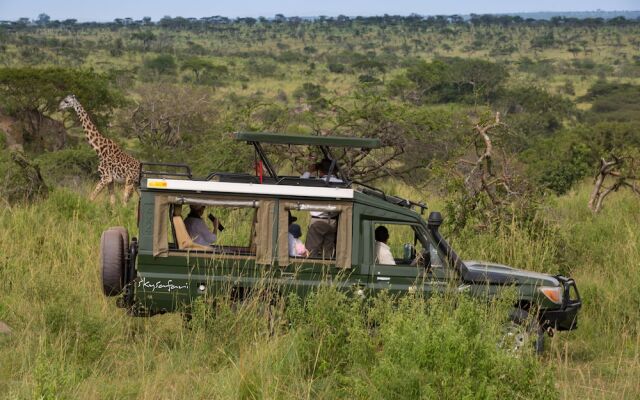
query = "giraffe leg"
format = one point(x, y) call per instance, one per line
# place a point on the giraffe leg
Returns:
point(98, 189)
point(128, 190)
point(112, 193)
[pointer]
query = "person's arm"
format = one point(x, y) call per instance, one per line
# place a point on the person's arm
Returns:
point(215, 223)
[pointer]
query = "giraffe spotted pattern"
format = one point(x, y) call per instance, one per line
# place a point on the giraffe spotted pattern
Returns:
point(115, 165)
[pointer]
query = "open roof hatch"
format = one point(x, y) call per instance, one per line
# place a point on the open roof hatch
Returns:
point(324, 143)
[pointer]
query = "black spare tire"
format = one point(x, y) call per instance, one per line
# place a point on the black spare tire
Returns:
point(112, 260)
point(124, 233)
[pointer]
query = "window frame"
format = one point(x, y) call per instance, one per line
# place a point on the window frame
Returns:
point(344, 227)
point(265, 207)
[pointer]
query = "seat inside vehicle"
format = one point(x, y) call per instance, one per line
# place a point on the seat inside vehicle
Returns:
point(183, 239)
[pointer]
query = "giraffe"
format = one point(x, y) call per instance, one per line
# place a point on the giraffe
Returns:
point(115, 165)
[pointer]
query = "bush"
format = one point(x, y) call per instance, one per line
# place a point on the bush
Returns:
point(420, 348)
point(69, 167)
point(263, 69)
point(336, 68)
point(20, 179)
point(163, 64)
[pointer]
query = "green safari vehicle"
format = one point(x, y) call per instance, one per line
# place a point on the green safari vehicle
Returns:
point(165, 270)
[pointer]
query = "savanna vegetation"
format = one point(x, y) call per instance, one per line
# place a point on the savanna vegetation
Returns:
point(525, 133)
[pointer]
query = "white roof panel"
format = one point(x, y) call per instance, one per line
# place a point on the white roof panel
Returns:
point(250, 188)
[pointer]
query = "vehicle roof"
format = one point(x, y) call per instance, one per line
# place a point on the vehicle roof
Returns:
point(306, 140)
point(246, 188)
point(368, 198)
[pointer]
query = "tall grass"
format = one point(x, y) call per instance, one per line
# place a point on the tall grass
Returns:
point(69, 341)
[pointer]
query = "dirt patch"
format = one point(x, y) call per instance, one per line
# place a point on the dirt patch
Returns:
point(4, 329)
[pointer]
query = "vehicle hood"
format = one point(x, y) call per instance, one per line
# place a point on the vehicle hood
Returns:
point(491, 273)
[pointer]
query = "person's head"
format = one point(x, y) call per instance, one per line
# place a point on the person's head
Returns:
point(324, 166)
point(295, 230)
point(291, 218)
point(196, 209)
point(381, 234)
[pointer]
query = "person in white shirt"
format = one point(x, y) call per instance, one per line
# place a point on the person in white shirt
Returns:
point(383, 252)
point(321, 237)
point(197, 228)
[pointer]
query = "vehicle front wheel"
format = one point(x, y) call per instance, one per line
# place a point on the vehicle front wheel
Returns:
point(522, 330)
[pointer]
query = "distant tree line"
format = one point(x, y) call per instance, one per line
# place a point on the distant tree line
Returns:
point(413, 20)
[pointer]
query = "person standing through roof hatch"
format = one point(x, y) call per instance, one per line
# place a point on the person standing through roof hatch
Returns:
point(321, 237)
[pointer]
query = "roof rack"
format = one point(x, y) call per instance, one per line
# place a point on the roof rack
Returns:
point(399, 201)
point(308, 140)
point(324, 143)
point(152, 172)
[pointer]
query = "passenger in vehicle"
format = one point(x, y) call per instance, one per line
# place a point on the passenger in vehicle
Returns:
point(322, 169)
point(321, 238)
point(198, 229)
point(383, 252)
point(296, 247)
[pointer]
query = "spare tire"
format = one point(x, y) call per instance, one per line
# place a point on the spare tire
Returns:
point(124, 233)
point(112, 259)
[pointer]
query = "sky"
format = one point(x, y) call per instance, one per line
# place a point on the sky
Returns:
point(108, 10)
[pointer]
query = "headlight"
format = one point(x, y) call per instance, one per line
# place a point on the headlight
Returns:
point(552, 293)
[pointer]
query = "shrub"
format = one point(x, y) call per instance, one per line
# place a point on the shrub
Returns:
point(69, 167)
point(442, 347)
point(164, 64)
point(336, 68)
point(20, 179)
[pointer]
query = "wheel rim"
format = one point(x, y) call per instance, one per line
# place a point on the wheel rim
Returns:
point(515, 338)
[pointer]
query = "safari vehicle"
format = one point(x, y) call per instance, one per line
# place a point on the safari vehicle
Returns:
point(164, 270)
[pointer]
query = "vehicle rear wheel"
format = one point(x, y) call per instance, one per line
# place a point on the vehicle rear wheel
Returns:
point(112, 260)
point(522, 331)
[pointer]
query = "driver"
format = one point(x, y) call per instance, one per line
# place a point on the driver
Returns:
point(383, 252)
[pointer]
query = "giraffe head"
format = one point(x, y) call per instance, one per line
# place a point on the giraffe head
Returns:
point(68, 102)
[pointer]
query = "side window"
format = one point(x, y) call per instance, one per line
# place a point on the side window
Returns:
point(313, 234)
point(297, 232)
point(315, 230)
point(220, 226)
point(395, 244)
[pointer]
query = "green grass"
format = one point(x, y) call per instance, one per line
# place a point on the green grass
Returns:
point(69, 341)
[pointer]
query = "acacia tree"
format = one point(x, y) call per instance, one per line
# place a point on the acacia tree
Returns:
point(32, 95)
point(412, 138)
point(485, 182)
point(621, 172)
point(164, 113)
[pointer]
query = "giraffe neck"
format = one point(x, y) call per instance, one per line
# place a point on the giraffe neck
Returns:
point(90, 130)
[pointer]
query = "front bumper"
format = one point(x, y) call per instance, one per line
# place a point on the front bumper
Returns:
point(566, 317)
